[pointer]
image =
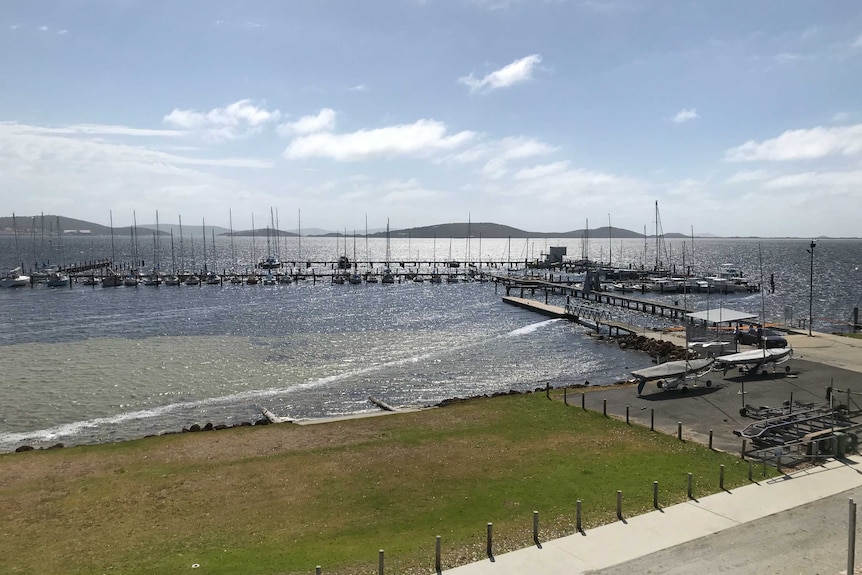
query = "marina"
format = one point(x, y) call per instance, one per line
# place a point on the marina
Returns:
point(92, 364)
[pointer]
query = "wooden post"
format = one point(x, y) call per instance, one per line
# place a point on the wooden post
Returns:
point(690, 478)
point(578, 525)
point(489, 548)
point(619, 504)
point(583, 401)
point(655, 494)
point(710, 439)
point(605, 407)
point(679, 430)
point(721, 476)
point(744, 445)
point(437, 563)
point(565, 396)
point(627, 415)
point(652, 419)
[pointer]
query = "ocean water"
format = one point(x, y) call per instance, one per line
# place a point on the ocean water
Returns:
point(90, 364)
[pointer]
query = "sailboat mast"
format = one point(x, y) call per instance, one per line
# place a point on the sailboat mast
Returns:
point(610, 242)
point(204, 234)
point(182, 251)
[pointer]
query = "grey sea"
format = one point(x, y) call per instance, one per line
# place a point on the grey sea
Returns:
point(89, 364)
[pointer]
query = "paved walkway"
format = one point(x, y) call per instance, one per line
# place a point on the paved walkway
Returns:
point(757, 522)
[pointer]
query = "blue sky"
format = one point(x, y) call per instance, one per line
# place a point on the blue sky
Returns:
point(737, 117)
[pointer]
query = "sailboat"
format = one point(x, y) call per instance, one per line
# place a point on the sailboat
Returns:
point(212, 278)
point(676, 374)
point(173, 279)
point(388, 277)
point(15, 277)
point(252, 279)
point(112, 278)
point(234, 277)
point(355, 278)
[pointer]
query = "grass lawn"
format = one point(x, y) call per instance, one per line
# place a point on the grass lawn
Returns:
point(285, 498)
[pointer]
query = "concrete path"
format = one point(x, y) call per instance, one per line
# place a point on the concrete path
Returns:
point(629, 544)
point(797, 523)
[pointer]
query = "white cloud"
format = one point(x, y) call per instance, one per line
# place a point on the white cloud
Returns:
point(685, 115)
point(818, 181)
point(43, 28)
point(807, 144)
point(359, 88)
point(237, 120)
point(748, 176)
point(100, 130)
point(62, 32)
point(324, 121)
point(542, 171)
point(514, 73)
point(422, 138)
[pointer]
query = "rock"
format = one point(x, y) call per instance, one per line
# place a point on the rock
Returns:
point(208, 427)
point(23, 448)
point(195, 427)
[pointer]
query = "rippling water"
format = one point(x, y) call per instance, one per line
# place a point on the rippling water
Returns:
point(85, 364)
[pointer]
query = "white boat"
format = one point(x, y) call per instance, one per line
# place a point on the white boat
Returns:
point(192, 280)
point(673, 374)
point(57, 279)
point(14, 278)
point(112, 279)
point(756, 360)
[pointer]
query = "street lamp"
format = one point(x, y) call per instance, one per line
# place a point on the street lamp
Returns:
point(811, 287)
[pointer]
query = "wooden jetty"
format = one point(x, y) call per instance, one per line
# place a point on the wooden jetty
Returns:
point(653, 307)
point(592, 318)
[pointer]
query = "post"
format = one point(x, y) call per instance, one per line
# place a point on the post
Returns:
point(851, 538)
point(317, 570)
point(437, 563)
point(750, 477)
point(811, 288)
point(627, 415)
point(583, 401)
point(679, 430)
point(652, 419)
point(578, 525)
point(548, 389)
point(605, 407)
point(721, 476)
point(655, 494)
point(489, 548)
point(619, 504)
point(536, 527)
point(744, 445)
point(565, 395)
point(380, 562)
point(710, 439)
point(689, 485)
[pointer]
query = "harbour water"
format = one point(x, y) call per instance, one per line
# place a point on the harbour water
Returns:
point(90, 364)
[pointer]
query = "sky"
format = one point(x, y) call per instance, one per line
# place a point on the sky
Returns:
point(738, 117)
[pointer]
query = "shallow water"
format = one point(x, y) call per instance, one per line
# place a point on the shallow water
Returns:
point(85, 364)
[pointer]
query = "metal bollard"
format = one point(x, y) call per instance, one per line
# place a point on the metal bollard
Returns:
point(721, 476)
point(605, 407)
point(536, 527)
point(652, 419)
point(690, 478)
point(438, 565)
point(851, 538)
point(619, 504)
point(627, 415)
point(578, 526)
point(710, 439)
point(380, 562)
point(317, 570)
point(489, 547)
point(655, 494)
point(584, 401)
point(744, 446)
point(679, 430)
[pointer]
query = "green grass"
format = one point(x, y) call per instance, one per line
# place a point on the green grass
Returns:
point(282, 499)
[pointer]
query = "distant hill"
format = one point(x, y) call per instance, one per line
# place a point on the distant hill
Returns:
point(27, 225)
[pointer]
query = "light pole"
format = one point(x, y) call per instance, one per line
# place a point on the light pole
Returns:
point(811, 288)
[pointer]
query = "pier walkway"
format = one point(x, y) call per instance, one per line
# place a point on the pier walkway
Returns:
point(523, 285)
point(584, 315)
